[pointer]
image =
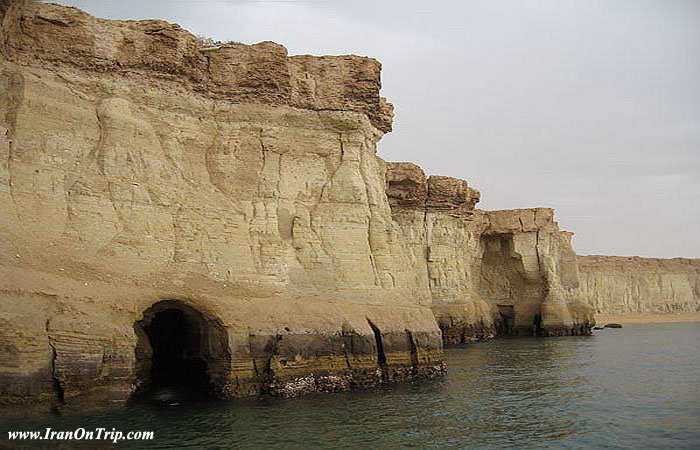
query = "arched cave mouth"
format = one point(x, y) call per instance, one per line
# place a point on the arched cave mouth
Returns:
point(182, 354)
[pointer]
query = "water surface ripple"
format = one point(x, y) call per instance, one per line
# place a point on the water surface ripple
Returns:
point(638, 387)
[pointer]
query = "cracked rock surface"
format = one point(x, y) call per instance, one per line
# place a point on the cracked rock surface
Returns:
point(238, 189)
point(238, 182)
point(510, 272)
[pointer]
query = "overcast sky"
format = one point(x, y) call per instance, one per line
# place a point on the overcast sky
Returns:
point(591, 107)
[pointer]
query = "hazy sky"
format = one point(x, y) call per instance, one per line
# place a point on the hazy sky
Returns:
point(591, 107)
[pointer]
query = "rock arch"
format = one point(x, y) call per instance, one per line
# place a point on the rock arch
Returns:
point(181, 348)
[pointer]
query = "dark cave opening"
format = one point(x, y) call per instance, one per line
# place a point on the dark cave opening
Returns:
point(176, 363)
point(181, 354)
point(537, 325)
point(507, 314)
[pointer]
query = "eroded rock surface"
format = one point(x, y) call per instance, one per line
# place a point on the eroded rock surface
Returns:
point(442, 231)
point(489, 272)
point(530, 274)
point(230, 203)
point(238, 183)
point(619, 285)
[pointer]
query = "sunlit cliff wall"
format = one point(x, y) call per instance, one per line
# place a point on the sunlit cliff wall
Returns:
point(239, 187)
point(241, 182)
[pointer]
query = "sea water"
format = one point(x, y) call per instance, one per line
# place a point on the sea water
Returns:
point(636, 387)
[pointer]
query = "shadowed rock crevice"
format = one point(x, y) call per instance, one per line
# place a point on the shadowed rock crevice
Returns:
point(271, 350)
point(59, 392)
point(537, 326)
point(506, 324)
point(414, 349)
point(381, 356)
point(57, 387)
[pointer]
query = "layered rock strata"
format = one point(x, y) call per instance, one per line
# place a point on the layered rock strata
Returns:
point(443, 233)
point(221, 215)
point(617, 285)
point(507, 272)
point(233, 194)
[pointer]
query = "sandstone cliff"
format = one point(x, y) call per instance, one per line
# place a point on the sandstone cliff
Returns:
point(221, 214)
point(442, 231)
point(235, 188)
point(510, 272)
point(634, 285)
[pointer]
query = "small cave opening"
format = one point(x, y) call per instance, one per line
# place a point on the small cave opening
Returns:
point(381, 356)
point(181, 354)
point(537, 325)
point(175, 362)
point(507, 314)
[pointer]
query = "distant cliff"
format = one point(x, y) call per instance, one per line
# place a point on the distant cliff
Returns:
point(634, 285)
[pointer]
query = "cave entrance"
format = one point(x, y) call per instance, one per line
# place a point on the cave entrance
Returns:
point(537, 325)
point(181, 353)
point(507, 314)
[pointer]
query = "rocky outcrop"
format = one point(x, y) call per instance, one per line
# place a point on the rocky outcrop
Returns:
point(509, 272)
point(443, 233)
point(53, 35)
point(232, 194)
point(530, 274)
point(618, 285)
point(219, 218)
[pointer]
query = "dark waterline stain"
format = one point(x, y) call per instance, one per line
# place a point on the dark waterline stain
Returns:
point(638, 387)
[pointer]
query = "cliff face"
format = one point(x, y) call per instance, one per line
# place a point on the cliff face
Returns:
point(508, 272)
point(530, 273)
point(233, 194)
point(220, 216)
point(443, 233)
point(633, 285)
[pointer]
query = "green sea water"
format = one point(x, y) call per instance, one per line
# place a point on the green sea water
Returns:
point(637, 387)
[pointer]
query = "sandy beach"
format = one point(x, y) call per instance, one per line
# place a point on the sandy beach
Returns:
point(602, 319)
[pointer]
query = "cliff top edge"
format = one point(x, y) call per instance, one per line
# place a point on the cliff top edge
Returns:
point(56, 37)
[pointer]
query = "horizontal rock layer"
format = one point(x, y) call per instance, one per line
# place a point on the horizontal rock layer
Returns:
point(52, 36)
point(634, 285)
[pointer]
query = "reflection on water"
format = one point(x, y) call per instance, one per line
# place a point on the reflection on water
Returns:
point(635, 387)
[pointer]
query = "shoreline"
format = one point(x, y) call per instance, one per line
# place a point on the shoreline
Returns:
point(602, 319)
